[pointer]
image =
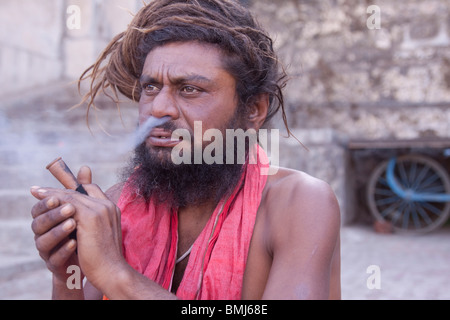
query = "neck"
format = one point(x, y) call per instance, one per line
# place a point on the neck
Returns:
point(191, 221)
point(195, 214)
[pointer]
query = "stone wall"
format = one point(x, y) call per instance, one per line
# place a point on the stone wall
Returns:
point(353, 81)
point(30, 48)
point(342, 72)
point(392, 82)
point(42, 41)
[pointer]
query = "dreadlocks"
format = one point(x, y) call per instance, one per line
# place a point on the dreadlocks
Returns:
point(250, 57)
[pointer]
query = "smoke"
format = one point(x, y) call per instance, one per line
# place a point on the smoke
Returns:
point(143, 131)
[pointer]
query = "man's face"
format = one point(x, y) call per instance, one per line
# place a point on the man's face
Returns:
point(188, 82)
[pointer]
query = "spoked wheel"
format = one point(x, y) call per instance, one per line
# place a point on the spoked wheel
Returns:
point(416, 174)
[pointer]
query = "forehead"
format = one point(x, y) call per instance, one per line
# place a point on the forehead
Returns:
point(185, 58)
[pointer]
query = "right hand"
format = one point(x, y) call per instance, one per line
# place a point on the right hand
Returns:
point(52, 225)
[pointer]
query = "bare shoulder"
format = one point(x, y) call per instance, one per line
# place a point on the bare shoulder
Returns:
point(294, 200)
point(299, 188)
point(296, 239)
point(114, 192)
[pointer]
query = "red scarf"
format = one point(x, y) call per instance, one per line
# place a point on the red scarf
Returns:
point(217, 261)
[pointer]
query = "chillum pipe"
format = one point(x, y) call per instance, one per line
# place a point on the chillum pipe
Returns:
point(62, 173)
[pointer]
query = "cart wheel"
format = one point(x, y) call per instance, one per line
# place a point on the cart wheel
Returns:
point(420, 174)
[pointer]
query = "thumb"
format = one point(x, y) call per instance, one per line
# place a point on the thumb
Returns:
point(84, 175)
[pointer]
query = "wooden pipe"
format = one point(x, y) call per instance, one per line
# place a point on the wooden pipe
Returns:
point(62, 173)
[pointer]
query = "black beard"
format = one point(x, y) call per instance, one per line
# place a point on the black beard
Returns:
point(181, 185)
point(154, 176)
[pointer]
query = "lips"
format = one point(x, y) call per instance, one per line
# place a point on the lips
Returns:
point(162, 138)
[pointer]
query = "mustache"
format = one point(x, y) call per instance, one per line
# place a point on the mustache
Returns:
point(143, 130)
point(168, 126)
point(171, 126)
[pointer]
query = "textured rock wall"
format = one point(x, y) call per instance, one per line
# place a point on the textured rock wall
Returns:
point(367, 83)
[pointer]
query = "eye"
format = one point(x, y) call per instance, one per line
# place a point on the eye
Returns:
point(150, 88)
point(190, 90)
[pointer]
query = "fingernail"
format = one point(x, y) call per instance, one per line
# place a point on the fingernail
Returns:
point(51, 203)
point(34, 189)
point(67, 210)
point(71, 244)
point(42, 191)
point(68, 225)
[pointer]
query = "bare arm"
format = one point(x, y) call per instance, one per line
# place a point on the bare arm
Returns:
point(128, 284)
point(304, 241)
point(91, 292)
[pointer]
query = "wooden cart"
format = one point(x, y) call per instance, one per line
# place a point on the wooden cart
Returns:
point(409, 189)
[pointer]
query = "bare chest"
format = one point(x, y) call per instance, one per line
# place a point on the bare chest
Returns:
point(178, 274)
point(186, 239)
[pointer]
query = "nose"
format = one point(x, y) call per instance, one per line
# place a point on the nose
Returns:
point(161, 105)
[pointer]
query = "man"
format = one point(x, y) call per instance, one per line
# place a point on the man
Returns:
point(193, 231)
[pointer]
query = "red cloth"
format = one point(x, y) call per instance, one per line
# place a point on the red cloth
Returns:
point(217, 261)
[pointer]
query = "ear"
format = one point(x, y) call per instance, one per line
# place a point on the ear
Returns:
point(258, 111)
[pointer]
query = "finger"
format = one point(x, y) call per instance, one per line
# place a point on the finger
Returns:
point(50, 240)
point(38, 192)
point(71, 196)
point(63, 195)
point(42, 193)
point(60, 256)
point(34, 189)
point(77, 199)
point(84, 175)
point(94, 191)
point(44, 222)
point(44, 205)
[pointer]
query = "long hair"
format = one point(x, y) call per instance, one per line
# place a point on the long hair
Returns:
point(249, 52)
